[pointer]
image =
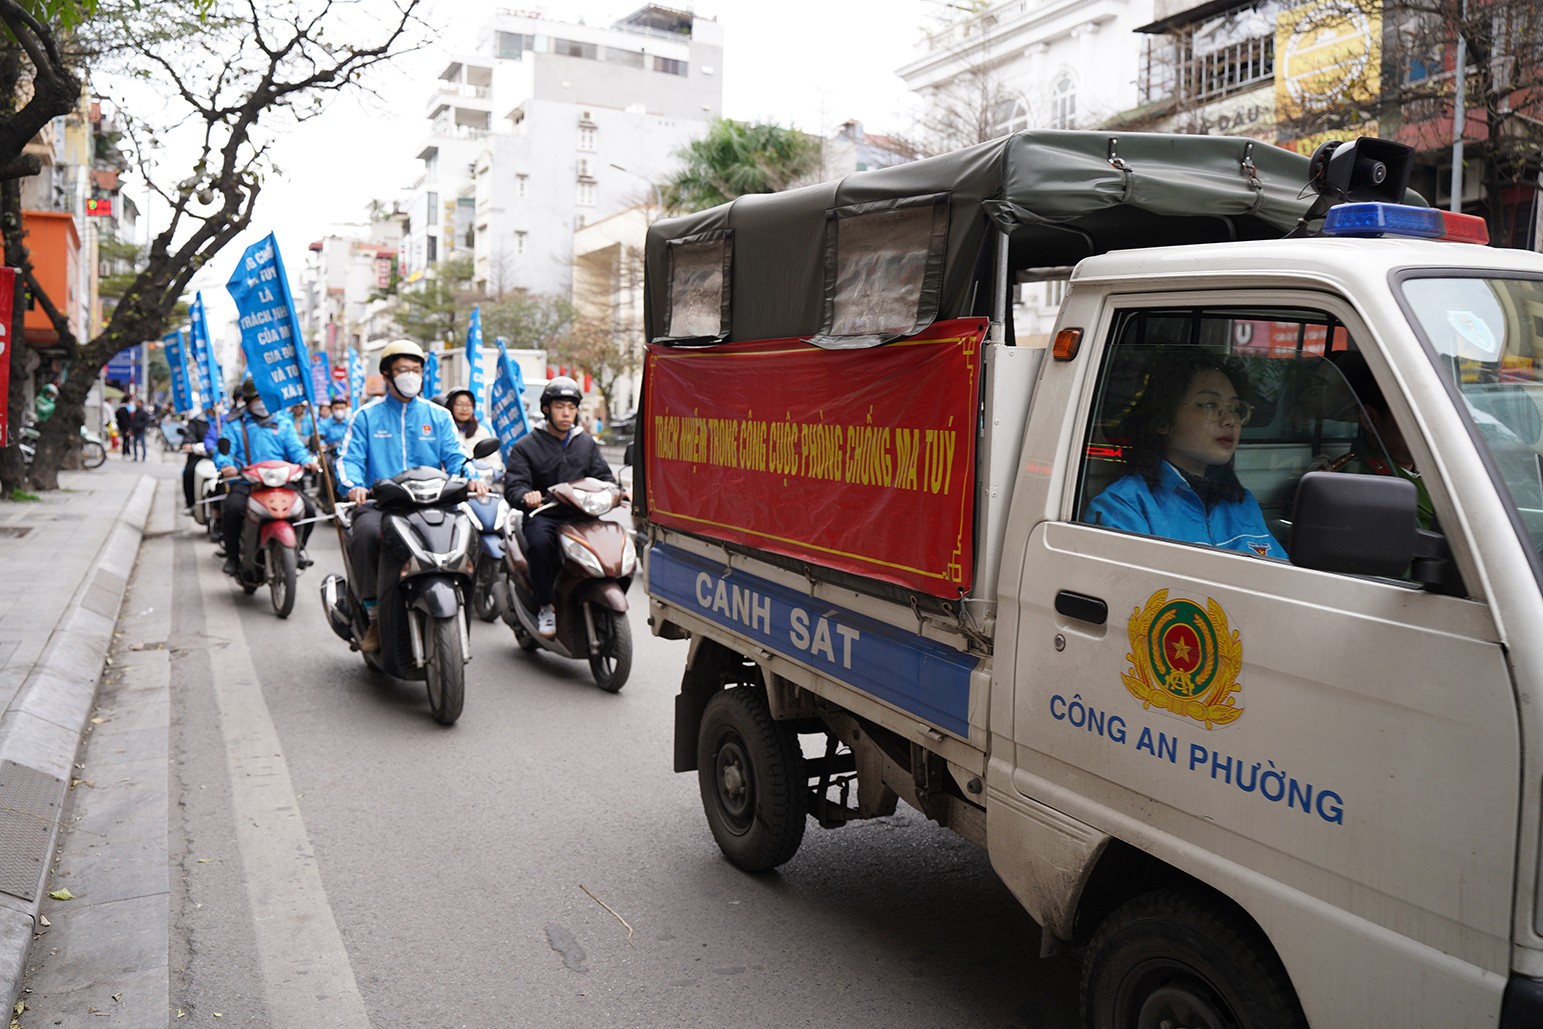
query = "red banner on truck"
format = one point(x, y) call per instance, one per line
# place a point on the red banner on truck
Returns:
point(862, 460)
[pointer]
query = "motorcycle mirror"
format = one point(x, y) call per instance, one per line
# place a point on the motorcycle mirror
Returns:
point(484, 448)
point(223, 446)
point(626, 455)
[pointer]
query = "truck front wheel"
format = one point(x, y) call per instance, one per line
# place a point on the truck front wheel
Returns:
point(751, 773)
point(1176, 958)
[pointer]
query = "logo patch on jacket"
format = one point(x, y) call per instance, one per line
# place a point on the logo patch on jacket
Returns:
point(428, 430)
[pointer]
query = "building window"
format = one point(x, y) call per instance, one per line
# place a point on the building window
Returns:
point(586, 137)
point(670, 66)
point(433, 249)
point(511, 46)
point(586, 194)
point(1063, 103)
point(521, 187)
point(625, 58)
point(573, 48)
point(433, 217)
point(1209, 60)
point(519, 242)
point(1009, 116)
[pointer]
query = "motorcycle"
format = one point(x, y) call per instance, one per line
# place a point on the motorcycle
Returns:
point(206, 487)
point(269, 549)
point(423, 627)
point(93, 453)
point(492, 517)
point(590, 594)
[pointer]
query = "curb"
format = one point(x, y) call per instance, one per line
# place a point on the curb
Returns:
point(43, 728)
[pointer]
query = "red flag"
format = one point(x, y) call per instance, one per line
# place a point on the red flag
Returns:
point(7, 291)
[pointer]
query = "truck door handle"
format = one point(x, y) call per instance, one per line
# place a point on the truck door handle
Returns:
point(1081, 607)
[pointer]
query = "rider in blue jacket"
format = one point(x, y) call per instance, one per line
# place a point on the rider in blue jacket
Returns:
point(1185, 429)
point(384, 439)
point(257, 435)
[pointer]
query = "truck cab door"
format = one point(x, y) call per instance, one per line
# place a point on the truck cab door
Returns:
point(1338, 754)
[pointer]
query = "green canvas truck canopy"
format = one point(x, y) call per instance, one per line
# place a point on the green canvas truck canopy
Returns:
point(882, 254)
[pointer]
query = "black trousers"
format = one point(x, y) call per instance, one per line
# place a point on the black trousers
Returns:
point(233, 513)
point(187, 480)
point(545, 554)
point(372, 564)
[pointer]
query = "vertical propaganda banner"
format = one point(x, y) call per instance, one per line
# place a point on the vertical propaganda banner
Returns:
point(474, 358)
point(321, 376)
point(174, 346)
point(275, 357)
point(7, 293)
point(355, 378)
point(431, 375)
point(506, 400)
point(211, 381)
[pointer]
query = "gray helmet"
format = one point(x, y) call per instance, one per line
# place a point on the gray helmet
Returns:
point(561, 388)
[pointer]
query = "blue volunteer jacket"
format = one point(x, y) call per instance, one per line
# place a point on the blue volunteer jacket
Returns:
point(387, 437)
point(1174, 511)
point(273, 439)
point(333, 431)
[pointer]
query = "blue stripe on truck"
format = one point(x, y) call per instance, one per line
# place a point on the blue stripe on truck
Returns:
point(913, 673)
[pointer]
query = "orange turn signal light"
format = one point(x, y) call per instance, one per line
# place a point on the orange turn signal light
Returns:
point(1067, 343)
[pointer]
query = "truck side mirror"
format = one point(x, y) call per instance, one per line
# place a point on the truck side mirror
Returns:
point(223, 446)
point(1367, 525)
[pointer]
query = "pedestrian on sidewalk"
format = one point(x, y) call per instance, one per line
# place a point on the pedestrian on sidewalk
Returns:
point(121, 418)
point(139, 424)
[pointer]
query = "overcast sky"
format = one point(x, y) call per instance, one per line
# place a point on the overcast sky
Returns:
point(811, 64)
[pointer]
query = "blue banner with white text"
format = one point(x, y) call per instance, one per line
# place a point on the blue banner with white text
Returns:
point(321, 376)
point(431, 375)
point(506, 400)
point(211, 384)
point(355, 378)
point(474, 358)
point(174, 346)
point(275, 357)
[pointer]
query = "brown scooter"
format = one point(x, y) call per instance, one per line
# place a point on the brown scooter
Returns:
point(590, 595)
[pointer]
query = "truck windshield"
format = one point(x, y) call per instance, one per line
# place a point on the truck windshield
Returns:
point(1488, 334)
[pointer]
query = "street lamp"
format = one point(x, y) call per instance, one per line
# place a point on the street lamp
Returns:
point(658, 199)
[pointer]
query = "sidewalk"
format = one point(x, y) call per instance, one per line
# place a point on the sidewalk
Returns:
point(65, 562)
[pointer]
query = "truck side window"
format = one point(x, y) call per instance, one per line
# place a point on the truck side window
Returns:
point(1205, 419)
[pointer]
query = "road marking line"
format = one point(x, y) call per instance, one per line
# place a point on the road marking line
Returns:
point(306, 971)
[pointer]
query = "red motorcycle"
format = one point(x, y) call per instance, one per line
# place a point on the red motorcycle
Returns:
point(269, 549)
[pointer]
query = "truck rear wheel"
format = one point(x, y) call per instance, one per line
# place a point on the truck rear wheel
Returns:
point(751, 774)
point(1175, 958)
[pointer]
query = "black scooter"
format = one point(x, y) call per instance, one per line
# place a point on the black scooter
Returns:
point(422, 613)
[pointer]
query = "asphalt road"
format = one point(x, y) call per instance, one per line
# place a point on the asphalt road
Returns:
point(339, 859)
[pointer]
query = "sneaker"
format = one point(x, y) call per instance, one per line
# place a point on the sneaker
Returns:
point(546, 622)
point(303, 560)
point(371, 642)
point(230, 565)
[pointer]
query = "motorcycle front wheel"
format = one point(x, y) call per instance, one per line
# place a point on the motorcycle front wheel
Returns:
point(92, 454)
point(446, 669)
point(281, 578)
point(484, 602)
point(613, 663)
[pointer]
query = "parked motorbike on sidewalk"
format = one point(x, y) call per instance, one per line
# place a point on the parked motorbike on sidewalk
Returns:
point(590, 594)
point(93, 452)
point(421, 613)
point(269, 549)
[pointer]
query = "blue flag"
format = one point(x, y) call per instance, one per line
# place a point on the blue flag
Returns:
point(175, 348)
point(211, 381)
point(474, 358)
point(275, 357)
point(507, 401)
point(321, 376)
point(355, 377)
point(431, 375)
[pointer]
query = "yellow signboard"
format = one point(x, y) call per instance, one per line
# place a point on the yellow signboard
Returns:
point(1328, 56)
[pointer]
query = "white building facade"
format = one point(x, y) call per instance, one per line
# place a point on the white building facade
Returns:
point(552, 126)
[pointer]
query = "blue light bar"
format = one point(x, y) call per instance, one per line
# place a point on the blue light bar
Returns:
point(1377, 219)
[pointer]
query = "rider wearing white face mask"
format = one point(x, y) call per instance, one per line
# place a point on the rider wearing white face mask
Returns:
point(387, 438)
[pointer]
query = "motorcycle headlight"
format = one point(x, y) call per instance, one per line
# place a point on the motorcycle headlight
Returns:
point(576, 551)
point(595, 503)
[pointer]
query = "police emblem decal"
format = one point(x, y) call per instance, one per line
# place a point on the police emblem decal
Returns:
point(1184, 659)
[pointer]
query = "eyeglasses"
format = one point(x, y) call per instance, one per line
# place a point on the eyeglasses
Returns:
point(1242, 410)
